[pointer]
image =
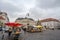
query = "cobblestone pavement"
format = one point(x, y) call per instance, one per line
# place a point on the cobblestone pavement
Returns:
point(45, 35)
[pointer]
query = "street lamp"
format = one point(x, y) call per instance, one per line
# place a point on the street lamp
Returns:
point(27, 16)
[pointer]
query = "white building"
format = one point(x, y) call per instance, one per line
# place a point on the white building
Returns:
point(50, 23)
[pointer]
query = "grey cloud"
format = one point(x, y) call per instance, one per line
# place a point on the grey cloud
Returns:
point(36, 13)
point(50, 13)
point(48, 3)
point(43, 8)
point(10, 8)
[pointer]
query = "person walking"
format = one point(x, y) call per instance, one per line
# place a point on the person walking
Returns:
point(2, 35)
point(17, 34)
point(9, 32)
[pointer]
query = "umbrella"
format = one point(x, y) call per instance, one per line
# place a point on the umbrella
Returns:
point(12, 24)
point(39, 26)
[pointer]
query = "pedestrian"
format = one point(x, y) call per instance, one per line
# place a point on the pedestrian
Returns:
point(2, 35)
point(24, 28)
point(17, 33)
point(9, 32)
point(45, 26)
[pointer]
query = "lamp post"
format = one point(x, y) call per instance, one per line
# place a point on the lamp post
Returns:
point(27, 16)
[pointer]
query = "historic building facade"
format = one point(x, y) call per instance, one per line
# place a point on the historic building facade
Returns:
point(25, 21)
point(3, 18)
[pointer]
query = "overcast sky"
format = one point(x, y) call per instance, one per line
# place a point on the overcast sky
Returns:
point(38, 9)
